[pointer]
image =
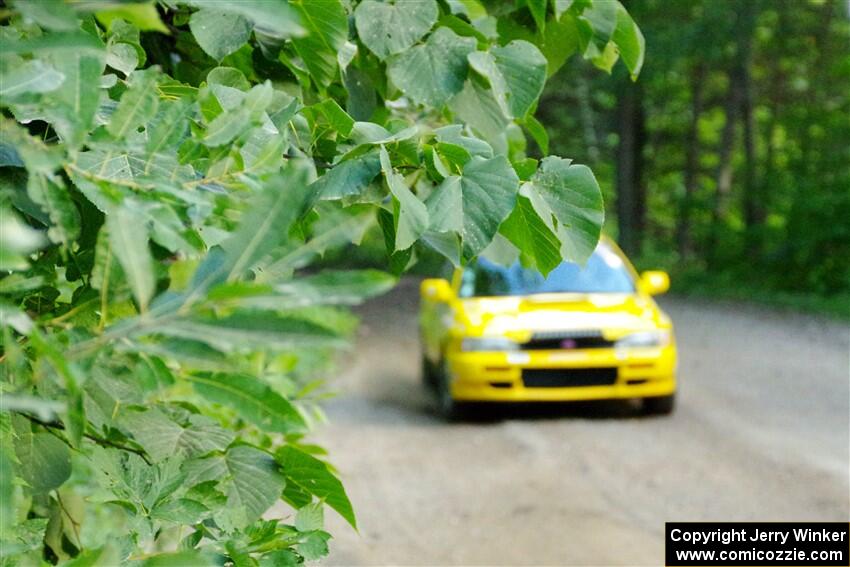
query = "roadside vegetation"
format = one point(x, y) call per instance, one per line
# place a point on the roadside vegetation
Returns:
point(170, 172)
point(728, 162)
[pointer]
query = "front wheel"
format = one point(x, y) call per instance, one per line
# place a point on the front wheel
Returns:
point(429, 373)
point(449, 408)
point(660, 405)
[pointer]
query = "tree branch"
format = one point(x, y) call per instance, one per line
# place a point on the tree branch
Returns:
point(91, 437)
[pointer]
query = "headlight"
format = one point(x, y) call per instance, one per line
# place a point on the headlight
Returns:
point(487, 344)
point(645, 339)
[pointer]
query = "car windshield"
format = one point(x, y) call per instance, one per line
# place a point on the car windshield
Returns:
point(604, 272)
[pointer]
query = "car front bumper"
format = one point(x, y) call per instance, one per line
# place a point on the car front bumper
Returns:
point(499, 376)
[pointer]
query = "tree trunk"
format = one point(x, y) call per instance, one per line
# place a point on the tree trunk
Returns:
point(723, 179)
point(738, 77)
point(630, 193)
point(751, 198)
point(684, 238)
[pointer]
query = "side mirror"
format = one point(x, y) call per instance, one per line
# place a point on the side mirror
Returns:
point(655, 282)
point(436, 289)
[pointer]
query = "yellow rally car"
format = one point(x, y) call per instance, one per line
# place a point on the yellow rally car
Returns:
point(507, 334)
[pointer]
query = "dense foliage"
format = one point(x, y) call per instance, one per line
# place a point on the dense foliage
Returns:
point(168, 173)
point(739, 132)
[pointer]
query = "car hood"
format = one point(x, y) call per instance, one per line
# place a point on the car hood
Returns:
point(613, 313)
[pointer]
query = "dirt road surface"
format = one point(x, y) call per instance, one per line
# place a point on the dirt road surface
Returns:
point(761, 432)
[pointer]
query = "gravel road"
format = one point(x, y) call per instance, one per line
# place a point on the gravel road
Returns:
point(761, 432)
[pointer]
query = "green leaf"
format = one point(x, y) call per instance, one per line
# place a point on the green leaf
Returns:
point(314, 545)
point(7, 491)
point(327, 31)
point(138, 105)
point(338, 119)
point(55, 200)
point(180, 559)
point(219, 33)
point(250, 479)
point(170, 125)
point(251, 329)
point(44, 409)
point(17, 241)
point(128, 237)
point(411, 216)
point(226, 126)
point(262, 151)
point(347, 178)
point(539, 247)
point(445, 206)
point(253, 400)
point(71, 108)
point(478, 107)
point(454, 134)
point(487, 195)
point(571, 193)
point(74, 42)
point(44, 460)
point(229, 77)
point(180, 511)
point(538, 12)
point(387, 29)
point(630, 41)
point(161, 437)
point(538, 132)
point(517, 73)
point(596, 25)
point(142, 15)
point(33, 76)
point(310, 475)
point(332, 287)
point(265, 224)
point(50, 14)
point(274, 18)
point(431, 73)
point(557, 41)
point(310, 517)
point(122, 57)
point(371, 133)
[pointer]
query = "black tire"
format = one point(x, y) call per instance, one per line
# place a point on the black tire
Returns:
point(429, 373)
point(660, 405)
point(447, 407)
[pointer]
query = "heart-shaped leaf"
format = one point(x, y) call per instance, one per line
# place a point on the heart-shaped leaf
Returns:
point(387, 29)
point(431, 73)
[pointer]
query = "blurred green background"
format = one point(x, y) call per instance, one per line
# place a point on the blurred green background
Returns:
point(727, 162)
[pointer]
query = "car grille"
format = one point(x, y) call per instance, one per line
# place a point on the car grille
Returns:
point(567, 340)
point(568, 377)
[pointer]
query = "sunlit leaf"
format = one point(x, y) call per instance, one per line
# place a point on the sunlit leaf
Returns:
point(630, 41)
point(128, 236)
point(32, 77)
point(387, 29)
point(516, 73)
point(571, 193)
point(219, 33)
point(326, 24)
point(253, 400)
point(312, 476)
point(138, 105)
point(162, 437)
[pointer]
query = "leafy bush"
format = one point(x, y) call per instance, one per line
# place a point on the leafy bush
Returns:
point(169, 171)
